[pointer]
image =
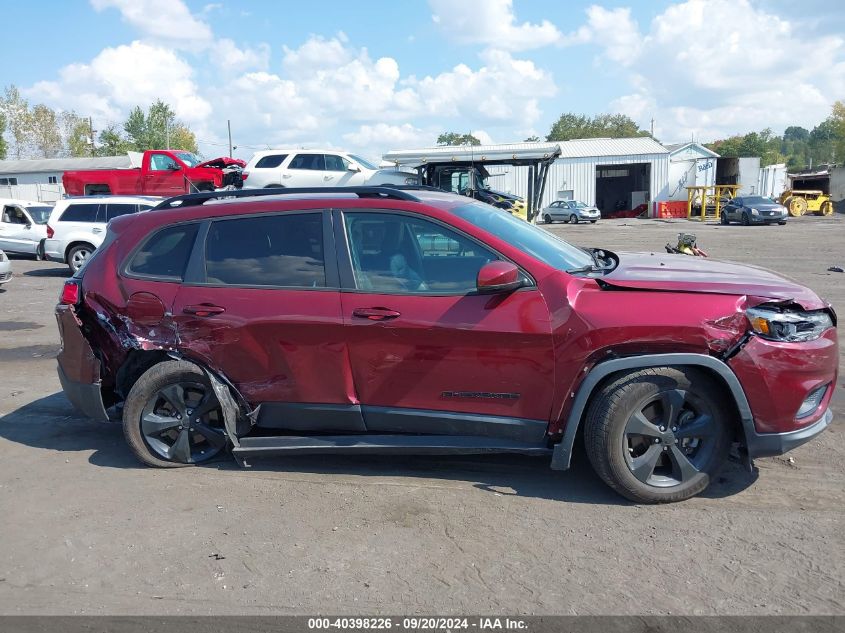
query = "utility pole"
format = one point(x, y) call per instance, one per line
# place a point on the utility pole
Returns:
point(91, 132)
point(229, 125)
point(652, 127)
point(167, 133)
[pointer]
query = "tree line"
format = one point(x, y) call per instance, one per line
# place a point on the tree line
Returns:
point(798, 147)
point(38, 131)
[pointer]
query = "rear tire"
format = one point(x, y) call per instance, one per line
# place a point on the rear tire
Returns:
point(78, 255)
point(172, 418)
point(658, 435)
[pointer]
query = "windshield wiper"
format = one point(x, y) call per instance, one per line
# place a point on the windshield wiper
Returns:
point(589, 268)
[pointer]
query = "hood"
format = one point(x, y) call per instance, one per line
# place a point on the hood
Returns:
point(223, 161)
point(684, 273)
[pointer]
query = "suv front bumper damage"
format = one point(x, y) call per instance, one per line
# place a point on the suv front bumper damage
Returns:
point(79, 369)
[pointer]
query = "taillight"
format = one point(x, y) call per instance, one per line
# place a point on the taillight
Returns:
point(50, 232)
point(71, 293)
point(244, 175)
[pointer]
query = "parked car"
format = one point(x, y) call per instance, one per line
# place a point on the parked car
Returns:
point(5, 268)
point(162, 172)
point(416, 321)
point(317, 168)
point(570, 211)
point(77, 226)
point(754, 210)
point(23, 225)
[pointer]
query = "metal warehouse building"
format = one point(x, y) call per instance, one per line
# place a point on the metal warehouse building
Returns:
point(613, 174)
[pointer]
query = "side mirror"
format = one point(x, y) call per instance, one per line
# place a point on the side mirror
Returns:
point(498, 276)
point(353, 167)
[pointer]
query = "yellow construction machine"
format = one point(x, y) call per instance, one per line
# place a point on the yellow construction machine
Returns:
point(801, 201)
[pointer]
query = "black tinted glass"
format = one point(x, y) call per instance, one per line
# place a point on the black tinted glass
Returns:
point(166, 253)
point(276, 250)
point(334, 163)
point(268, 162)
point(80, 213)
point(308, 161)
point(116, 210)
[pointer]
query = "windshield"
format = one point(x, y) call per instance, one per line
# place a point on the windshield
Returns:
point(40, 215)
point(364, 163)
point(758, 200)
point(580, 205)
point(191, 160)
point(533, 240)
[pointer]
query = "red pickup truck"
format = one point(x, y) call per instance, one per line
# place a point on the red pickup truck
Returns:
point(163, 172)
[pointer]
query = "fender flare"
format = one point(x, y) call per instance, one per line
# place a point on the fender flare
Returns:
point(563, 451)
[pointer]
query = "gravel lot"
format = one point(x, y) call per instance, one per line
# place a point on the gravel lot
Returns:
point(85, 529)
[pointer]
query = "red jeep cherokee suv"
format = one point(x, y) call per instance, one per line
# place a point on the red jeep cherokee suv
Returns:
point(376, 320)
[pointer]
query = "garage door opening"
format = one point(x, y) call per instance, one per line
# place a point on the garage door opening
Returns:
point(622, 187)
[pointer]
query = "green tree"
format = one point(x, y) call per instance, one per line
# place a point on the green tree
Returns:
point(573, 126)
point(45, 131)
point(796, 133)
point(455, 139)
point(18, 120)
point(77, 133)
point(157, 129)
point(532, 139)
point(112, 143)
point(3, 146)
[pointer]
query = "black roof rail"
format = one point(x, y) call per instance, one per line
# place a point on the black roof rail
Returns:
point(196, 199)
point(416, 188)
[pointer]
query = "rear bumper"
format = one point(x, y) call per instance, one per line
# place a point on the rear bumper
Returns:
point(79, 369)
point(768, 444)
point(53, 251)
point(85, 397)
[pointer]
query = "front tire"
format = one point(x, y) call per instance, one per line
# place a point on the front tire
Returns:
point(547, 219)
point(724, 219)
point(172, 417)
point(78, 255)
point(573, 219)
point(746, 221)
point(658, 435)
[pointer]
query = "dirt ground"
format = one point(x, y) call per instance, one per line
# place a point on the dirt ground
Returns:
point(85, 529)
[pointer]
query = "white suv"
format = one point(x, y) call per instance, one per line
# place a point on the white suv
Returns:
point(77, 226)
point(317, 168)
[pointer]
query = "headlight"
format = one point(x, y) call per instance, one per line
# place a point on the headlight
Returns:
point(791, 326)
point(3, 257)
point(755, 212)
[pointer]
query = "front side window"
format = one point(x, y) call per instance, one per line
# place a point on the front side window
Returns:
point(308, 161)
point(14, 215)
point(335, 163)
point(163, 162)
point(271, 161)
point(274, 250)
point(166, 253)
point(85, 212)
point(405, 254)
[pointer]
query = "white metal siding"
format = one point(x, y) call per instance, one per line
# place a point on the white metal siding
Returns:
point(579, 175)
point(34, 192)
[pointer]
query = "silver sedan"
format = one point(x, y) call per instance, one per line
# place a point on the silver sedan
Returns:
point(571, 211)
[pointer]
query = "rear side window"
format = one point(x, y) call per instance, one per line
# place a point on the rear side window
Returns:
point(308, 161)
point(276, 250)
point(166, 253)
point(268, 162)
point(116, 210)
point(85, 212)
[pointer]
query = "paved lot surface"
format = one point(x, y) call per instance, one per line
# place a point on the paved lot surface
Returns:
point(85, 529)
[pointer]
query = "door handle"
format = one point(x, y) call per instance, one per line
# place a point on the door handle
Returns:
point(96, 230)
point(285, 175)
point(203, 310)
point(327, 177)
point(375, 314)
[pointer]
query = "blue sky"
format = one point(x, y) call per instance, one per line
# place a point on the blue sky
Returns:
point(377, 75)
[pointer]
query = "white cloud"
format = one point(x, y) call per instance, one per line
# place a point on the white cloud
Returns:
point(491, 23)
point(615, 30)
point(105, 89)
point(764, 72)
point(163, 20)
point(393, 136)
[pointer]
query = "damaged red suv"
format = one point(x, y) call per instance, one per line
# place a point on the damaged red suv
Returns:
point(375, 320)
